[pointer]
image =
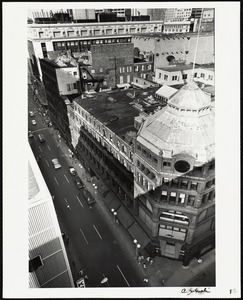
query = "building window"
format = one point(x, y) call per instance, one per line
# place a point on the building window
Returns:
point(191, 200)
point(144, 152)
point(74, 85)
point(210, 77)
point(68, 87)
point(166, 181)
point(159, 75)
point(195, 74)
point(172, 198)
point(155, 160)
point(35, 263)
point(181, 198)
point(184, 76)
point(174, 78)
point(194, 185)
point(166, 164)
point(165, 77)
point(208, 184)
point(202, 75)
point(164, 195)
point(175, 182)
point(184, 184)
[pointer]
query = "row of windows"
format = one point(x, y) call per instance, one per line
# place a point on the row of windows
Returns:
point(147, 154)
point(175, 217)
point(145, 170)
point(104, 132)
point(85, 44)
point(180, 183)
point(175, 198)
point(143, 68)
point(72, 86)
point(127, 69)
point(184, 76)
point(141, 180)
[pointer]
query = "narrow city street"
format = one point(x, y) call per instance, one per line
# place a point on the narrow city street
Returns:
point(94, 246)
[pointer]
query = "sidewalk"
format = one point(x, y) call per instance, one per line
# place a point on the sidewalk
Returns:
point(171, 271)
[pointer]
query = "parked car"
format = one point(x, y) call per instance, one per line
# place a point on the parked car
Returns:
point(78, 182)
point(33, 122)
point(88, 197)
point(56, 163)
point(72, 171)
point(32, 114)
point(30, 134)
point(41, 138)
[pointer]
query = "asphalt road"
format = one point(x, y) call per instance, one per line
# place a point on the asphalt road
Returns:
point(95, 247)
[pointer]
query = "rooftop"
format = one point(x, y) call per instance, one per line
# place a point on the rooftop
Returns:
point(116, 109)
point(180, 67)
point(169, 35)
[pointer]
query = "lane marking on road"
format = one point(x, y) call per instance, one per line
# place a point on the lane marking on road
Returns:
point(123, 275)
point(79, 201)
point(47, 163)
point(97, 232)
point(84, 236)
point(66, 178)
point(107, 280)
point(40, 148)
point(48, 147)
point(56, 180)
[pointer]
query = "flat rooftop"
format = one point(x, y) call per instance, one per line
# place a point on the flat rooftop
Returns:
point(170, 35)
point(181, 67)
point(113, 109)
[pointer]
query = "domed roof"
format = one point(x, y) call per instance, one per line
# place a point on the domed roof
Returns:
point(185, 125)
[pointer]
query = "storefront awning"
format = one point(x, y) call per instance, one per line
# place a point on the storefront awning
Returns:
point(138, 234)
point(124, 217)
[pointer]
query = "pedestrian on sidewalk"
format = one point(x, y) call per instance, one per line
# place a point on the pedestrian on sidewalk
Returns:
point(144, 265)
point(148, 259)
point(139, 259)
point(68, 206)
point(151, 262)
point(162, 281)
point(145, 279)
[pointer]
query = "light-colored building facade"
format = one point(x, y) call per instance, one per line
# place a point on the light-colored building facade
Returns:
point(48, 262)
point(43, 38)
point(176, 48)
point(177, 14)
point(176, 27)
point(181, 74)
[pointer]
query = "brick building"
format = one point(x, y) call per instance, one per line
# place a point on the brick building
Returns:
point(174, 176)
point(161, 166)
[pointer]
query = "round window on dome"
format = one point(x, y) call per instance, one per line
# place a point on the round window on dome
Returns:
point(182, 166)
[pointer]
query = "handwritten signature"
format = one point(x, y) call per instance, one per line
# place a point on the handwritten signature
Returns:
point(196, 290)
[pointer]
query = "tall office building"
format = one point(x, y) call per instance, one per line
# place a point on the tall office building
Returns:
point(48, 261)
point(156, 14)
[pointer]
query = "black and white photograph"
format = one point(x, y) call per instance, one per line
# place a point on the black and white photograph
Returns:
point(121, 126)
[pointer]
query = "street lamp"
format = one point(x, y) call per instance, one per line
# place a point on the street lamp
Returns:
point(137, 247)
point(114, 213)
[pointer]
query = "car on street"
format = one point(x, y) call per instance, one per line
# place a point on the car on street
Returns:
point(33, 122)
point(32, 114)
point(41, 138)
point(78, 182)
point(56, 163)
point(72, 171)
point(88, 197)
point(30, 134)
